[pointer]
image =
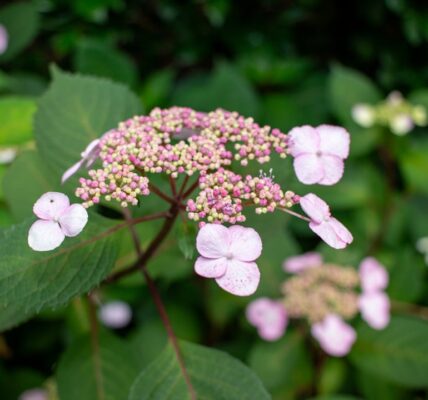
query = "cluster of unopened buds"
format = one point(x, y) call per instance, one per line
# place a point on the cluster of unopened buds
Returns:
point(396, 113)
point(181, 142)
point(325, 295)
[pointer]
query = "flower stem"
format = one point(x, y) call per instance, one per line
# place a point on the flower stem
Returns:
point(142, 265)
point(295, 214)
point(161, 194)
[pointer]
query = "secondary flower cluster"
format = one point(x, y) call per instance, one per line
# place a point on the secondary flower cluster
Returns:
point(223, 196)
point(395, 112)
point(326, 296)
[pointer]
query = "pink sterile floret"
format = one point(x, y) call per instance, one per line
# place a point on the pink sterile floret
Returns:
point(328, 228)
point(268, 316)
point(319, 153)
point(334, 335)
point(228, 255)
point(300, 263)
point(58, 219)
point(375, 309)
point(373, 275)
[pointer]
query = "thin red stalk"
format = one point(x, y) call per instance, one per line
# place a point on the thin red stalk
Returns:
point(161, 194)
point(191, 189)
point(155, 294)
point(173, 187)
point(295, 214)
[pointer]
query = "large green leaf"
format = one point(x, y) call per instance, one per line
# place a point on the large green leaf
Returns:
point(25, 181)
point(21, 21)
point(284, 363)
point(398, 353)
point(225, 88)
point(76, 110)
point(16, 115)
point(93, 57)
point(347, 88)
point(31, 281)
point(214, 375)
point(102, 371)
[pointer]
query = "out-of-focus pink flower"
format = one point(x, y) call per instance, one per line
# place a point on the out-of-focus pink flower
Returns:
point(319, 153)
point(269, 317)
point(58, 219)
point(334, 335)
point(4, 39)
point(328, 228)
point(115, 314)
point(297, 264)
point(228, 255)
point(34, 394)
point(373, 275)
point(374, 308)
point(89, 156)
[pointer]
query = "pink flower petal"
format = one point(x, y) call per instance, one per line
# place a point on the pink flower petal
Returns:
point(73, 220)
point(245, 243)
point(334, 335)
point(334, 140)
point(51, 205)
point(297, 264)
point(213, 241)
point(316, 208)
point(328, 231)
point(45, 235)
point(308, 168)
point(71, 171)
point(91, 149)
point(373, 275)
point(374, 307)
point(211, 267)
point(269, 316)
point(241, 278)
point(303, 140)
point(4, 39)
point(34, 394)
point(333, 168)
point(115, 314)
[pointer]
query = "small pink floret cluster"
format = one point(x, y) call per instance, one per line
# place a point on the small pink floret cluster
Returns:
point(334, 335)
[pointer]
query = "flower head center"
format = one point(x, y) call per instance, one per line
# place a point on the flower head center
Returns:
point(229, 255)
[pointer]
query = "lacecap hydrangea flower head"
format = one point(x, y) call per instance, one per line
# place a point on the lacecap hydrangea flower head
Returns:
point(199, 149)
point(326, 296)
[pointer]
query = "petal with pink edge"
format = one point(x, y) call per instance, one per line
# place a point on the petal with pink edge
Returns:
point(373, 275)
point(73, 220)
point(271, 333)
point(45, 235)
point(308, 168)
point(297, 264)
point(51, 205)
point(374, 307)
point(211, 267)
point(334, 140)
point(71, 171)
point(333, 168)
point(241, 278)
point(316, 208)
point(213, 241)
point(334, 335)
point(303, 140)
point(327, 232)
point(341, 230)
point(245, 243)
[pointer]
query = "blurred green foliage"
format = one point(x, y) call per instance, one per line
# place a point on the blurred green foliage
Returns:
point(285, 64)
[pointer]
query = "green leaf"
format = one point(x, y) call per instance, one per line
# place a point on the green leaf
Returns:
point(347, 88)
point(398, 353)
point(225, 88)
point(414, 164)
point(214, 375)
point(16, 117)
point(284, 363)
point(25, 181)
point(407, 278)
point(102, 372)
point(156, 88)
point(76, 110)
point(93, 57)
point(21, 21)
point(31, 281)
point(375, 388)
